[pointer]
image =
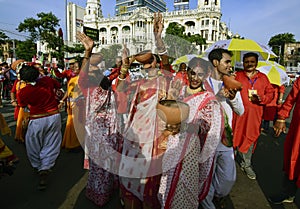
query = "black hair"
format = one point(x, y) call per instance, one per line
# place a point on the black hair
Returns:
point(197, 61)
point(217, 54)
point(250, 54)
point(181, 64)
point(29, 73)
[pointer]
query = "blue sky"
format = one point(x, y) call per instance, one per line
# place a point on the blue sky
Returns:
point(257, 20)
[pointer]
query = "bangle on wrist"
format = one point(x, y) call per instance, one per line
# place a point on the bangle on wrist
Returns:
point(12, 101)
point(163, 52)
point(280, 120)
point(121, 79)
point(61, 101)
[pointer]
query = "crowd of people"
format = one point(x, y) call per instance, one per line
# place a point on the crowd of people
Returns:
point(130, 146)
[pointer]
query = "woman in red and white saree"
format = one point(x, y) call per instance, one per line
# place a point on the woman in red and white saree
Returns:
point(188, 160)
point(101, 128)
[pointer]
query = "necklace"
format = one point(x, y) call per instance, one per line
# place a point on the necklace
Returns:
point(193, 91)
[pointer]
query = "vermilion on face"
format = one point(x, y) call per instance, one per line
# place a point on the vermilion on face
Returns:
point(196, 76)
point(250, 64)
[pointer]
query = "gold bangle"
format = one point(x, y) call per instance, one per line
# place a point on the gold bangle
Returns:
point(281, 121)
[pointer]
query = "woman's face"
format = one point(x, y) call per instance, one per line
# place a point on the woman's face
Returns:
point(196, 75)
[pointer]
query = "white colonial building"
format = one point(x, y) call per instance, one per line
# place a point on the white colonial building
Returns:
point(136, 29)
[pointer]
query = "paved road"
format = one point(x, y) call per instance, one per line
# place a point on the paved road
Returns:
point(67, 181)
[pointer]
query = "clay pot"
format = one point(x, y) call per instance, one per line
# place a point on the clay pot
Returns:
point(16, 63)
point(144, 57)
point(172, 112)
point(231, 83)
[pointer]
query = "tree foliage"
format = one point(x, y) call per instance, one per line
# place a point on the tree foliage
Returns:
point(41, 29)
point(179, 43)
point(110, 54)
point(25, 50)
point(277, 43)
point(44, 29)
point(3, 37)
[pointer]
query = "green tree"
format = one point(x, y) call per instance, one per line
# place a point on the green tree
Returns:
point(25, 49)
point(179, 43)
point(3, 37)
point(197, 39)
point(277, 43)
point(44, 29)
point(110, 54)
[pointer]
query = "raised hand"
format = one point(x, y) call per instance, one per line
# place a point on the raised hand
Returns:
point(87, 42)
point(174, 89)
point(125, 57)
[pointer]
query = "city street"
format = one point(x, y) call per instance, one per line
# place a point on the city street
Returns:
point(66, 185)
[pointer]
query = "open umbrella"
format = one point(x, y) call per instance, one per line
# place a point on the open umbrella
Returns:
point(185, 59)
point(241, 46)
point(274, 71)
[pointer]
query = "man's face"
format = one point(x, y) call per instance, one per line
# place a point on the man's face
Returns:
point(250, 64)
point(224, 65)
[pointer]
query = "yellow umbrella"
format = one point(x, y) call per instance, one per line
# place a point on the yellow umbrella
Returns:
point(185, 59)
point(274, 71)
point(241, 46)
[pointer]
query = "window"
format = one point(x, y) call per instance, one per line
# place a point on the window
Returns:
point(206, 2)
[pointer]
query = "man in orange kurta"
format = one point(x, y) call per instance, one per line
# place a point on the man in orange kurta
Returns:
point(256, 92)
point(291, 162)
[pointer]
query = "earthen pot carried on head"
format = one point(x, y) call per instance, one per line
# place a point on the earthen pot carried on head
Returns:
point(230, 82)
point(144, 57)
point(172, 112)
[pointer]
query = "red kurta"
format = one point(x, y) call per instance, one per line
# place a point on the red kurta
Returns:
point(246, 127)
point(68, 74)
point(270, 109)
point(291, 163)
